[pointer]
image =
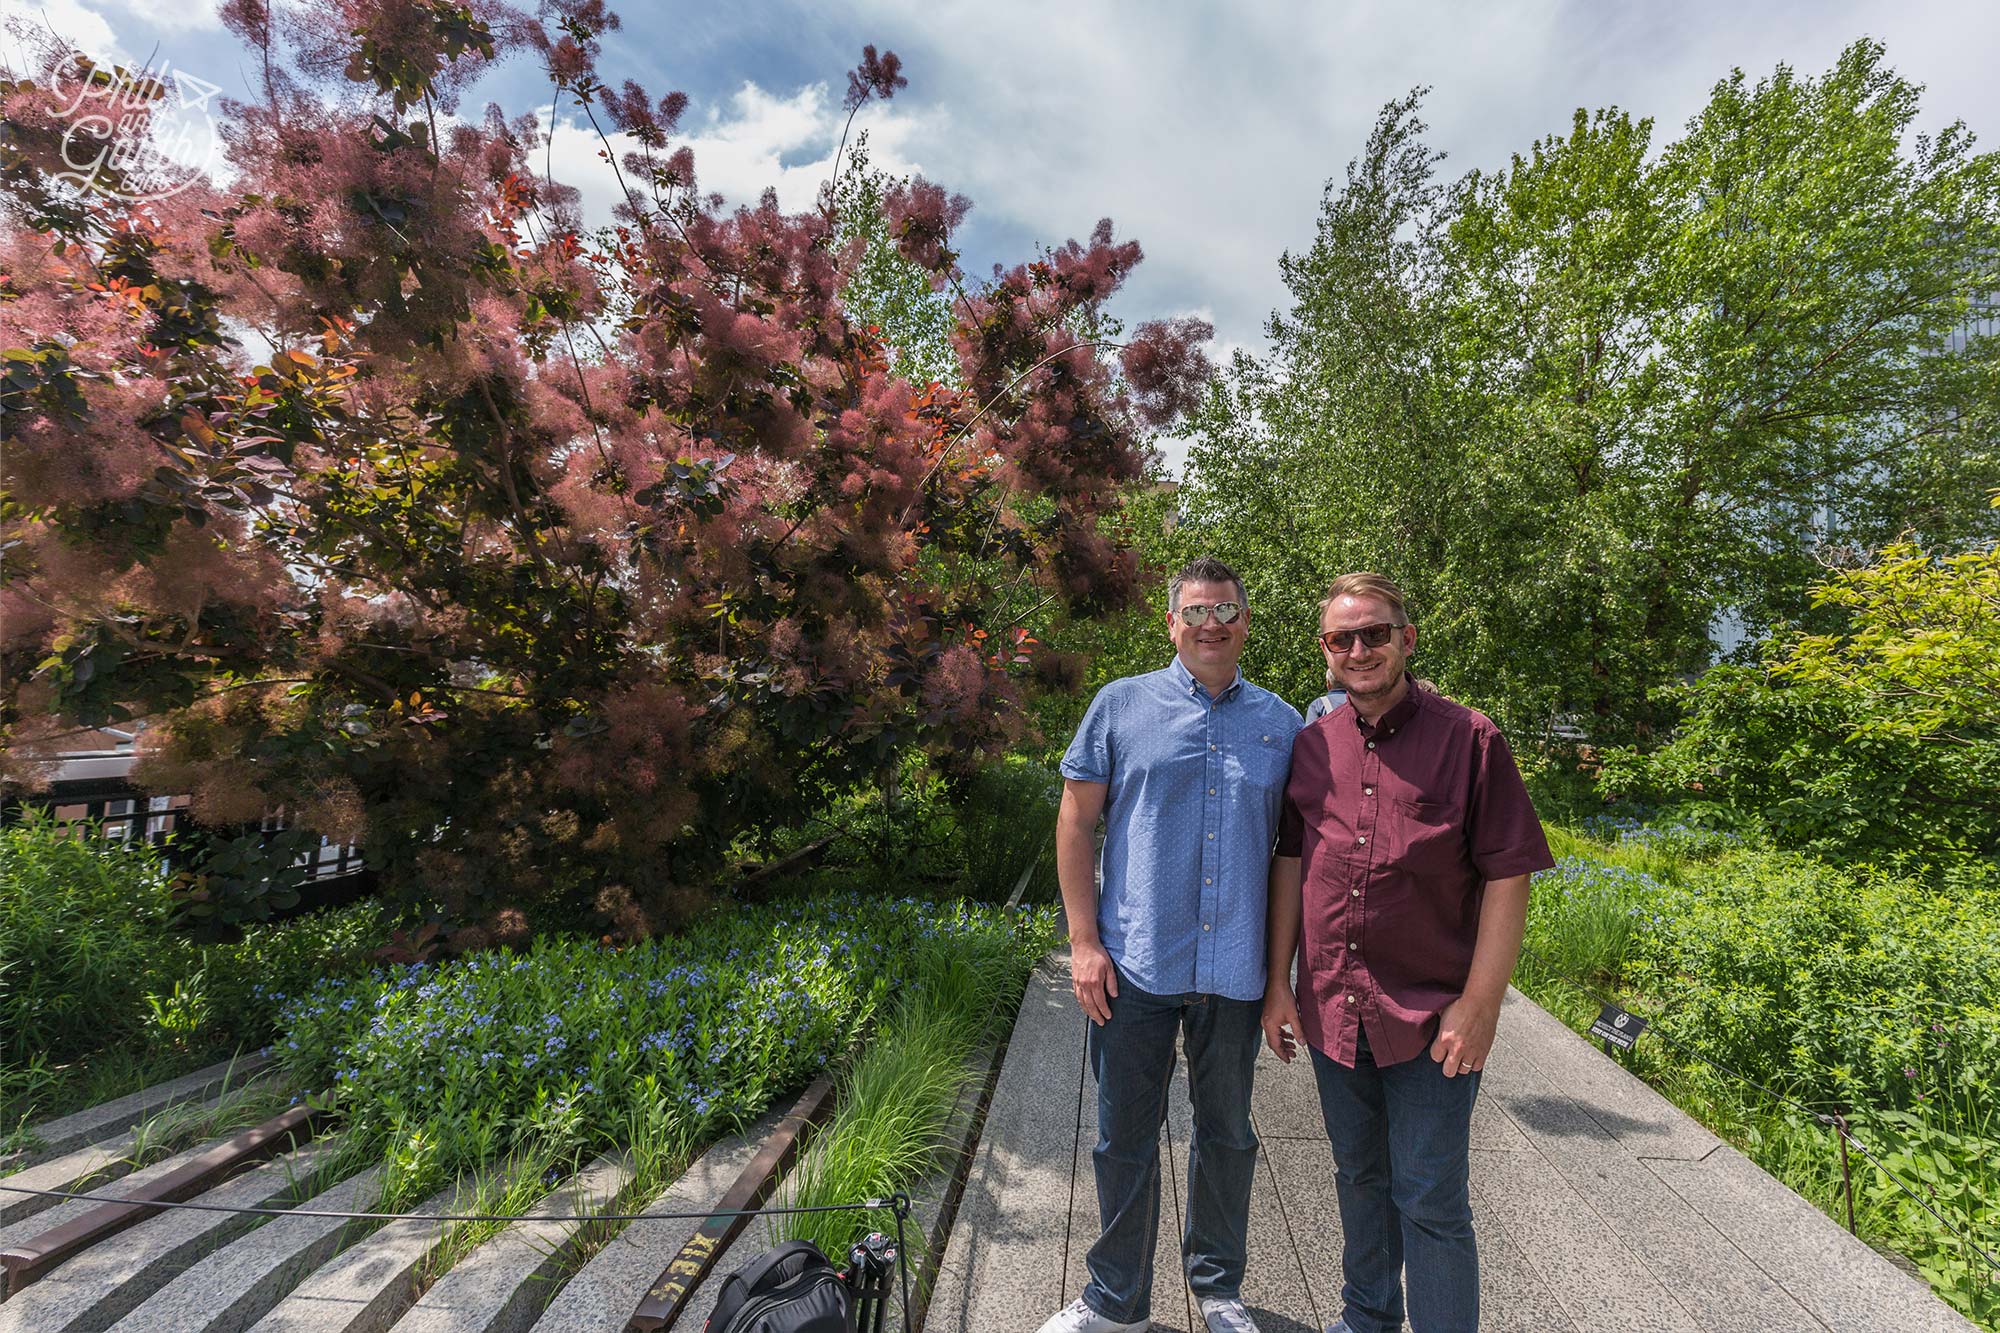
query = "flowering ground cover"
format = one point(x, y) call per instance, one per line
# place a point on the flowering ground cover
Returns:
point(1846, 988)
point(570, 1047)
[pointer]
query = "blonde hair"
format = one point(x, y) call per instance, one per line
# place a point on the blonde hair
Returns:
point(1363, 584)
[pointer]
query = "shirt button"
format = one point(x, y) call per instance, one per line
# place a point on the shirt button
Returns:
point(1362, 838)
point(1356, 893)
point(1371, 745)
point(1365, 791)
point(1267, 738)
point(1350, 999)
point(1354, 944)
point(1212, 745)
point(1211, 837)
point(1211, 791)
point(1204, 925)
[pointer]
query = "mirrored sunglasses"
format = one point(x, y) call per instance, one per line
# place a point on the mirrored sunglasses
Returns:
point(1196, 614)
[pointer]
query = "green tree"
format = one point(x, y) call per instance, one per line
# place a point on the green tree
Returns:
point(909, 307)
point(1881, 738)
point(1921, 644)
point(1587, 406)
point(1341, 449)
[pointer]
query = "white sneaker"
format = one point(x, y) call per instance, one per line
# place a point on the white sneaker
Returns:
point(1223, 1315)
point(1078, 1317)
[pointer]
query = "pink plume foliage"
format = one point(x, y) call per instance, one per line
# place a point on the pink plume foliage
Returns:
point(624, 543)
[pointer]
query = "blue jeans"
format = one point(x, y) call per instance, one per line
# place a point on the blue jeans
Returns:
point(1133, 1058)
point(1402, 1140)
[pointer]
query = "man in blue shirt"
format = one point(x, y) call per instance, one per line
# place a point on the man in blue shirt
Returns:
point(1187, 765)
point(1326, 703)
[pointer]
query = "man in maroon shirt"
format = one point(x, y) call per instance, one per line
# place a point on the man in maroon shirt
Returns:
point(1405, 848)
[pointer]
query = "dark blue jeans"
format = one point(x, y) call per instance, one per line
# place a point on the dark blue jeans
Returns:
point(1402, 1140)
point(1133, 1058)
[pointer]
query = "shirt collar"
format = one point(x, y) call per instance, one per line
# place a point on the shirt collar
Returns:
point(1396, 718)
point(1184, 680)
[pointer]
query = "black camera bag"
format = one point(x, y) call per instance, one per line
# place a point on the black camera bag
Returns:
point(792, 1289)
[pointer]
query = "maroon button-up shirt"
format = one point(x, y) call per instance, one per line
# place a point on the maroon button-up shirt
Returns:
point(1399, 827)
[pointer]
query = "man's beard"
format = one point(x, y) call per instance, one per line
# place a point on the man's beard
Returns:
point(1390, 679)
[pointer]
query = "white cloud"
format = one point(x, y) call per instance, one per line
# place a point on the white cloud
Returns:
point(74, 21)
point(173, 16)
point(121, 30)
point(1208, 132)
point(757, 140)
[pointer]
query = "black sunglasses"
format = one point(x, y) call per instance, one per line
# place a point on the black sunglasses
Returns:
point(1340, 640)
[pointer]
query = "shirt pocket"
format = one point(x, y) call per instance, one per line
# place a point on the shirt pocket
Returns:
point(1427, 837)
point(1261, 763)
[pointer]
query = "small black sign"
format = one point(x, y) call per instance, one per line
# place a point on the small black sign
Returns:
point(1618, 1027)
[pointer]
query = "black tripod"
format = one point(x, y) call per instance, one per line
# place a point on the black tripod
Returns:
point(869, 1262)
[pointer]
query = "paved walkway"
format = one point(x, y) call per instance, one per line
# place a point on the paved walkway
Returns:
point(1600, 1205)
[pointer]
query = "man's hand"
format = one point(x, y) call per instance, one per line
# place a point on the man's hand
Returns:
point(1094, 979)
point(1281, 1020)
point(1465, 1035)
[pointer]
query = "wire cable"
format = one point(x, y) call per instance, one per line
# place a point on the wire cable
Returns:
point(899, 1202)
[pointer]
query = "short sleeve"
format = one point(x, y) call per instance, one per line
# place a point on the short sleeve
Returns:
point(1291, 829)
point(1291, 820)
point(1088, 758)
point(1504, 832)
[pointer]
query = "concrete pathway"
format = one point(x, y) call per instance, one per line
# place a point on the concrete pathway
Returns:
point(1601, 1207)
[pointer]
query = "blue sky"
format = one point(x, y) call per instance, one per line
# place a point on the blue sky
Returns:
point(1205, 130)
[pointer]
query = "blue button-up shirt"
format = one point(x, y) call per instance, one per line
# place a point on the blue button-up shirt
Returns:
point(1190, 817)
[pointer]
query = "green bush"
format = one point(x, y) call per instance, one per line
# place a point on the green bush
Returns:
point(972, 834)
point(84, 936)
point(1006, 816)
point(1581, 917)
point(1829, 979)
point(570, 1043)
point(1818, 769)
point(100, 994)
point(1849, 988)
point(244, 978)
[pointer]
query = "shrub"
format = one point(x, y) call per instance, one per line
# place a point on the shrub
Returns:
point(101, 995)
point(84, 936)
point(247, 977)
point(1849, 988)
point(1581, 916)
point(571, 1043)
point(616, 541)
point(1827, 979)
point(1006, 825)
point(1820, 769)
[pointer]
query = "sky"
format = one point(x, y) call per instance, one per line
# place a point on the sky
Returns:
point(1207, 131)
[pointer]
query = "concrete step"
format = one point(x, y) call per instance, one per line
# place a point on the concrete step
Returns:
point(235, 1287)
point(367, 1288)
point(98, 1164)
point(91, 1291)
point(56, 1137)
point(34, 1225)
point(604, 1291)
point(502, 1286)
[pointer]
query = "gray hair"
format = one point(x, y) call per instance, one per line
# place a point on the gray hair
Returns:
point(1204, 569)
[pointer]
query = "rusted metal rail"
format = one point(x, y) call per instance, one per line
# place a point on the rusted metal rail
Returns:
point(32, 1259)
point(670, 1291)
